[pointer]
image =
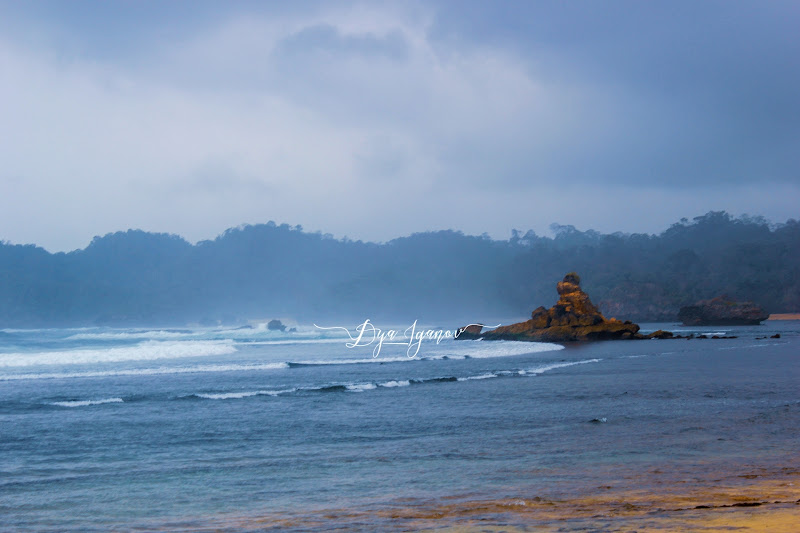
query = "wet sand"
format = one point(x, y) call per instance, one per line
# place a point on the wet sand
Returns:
point(751, 498)
point(768, 505)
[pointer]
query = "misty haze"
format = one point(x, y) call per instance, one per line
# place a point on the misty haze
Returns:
point(547, 278)
point(264, 271)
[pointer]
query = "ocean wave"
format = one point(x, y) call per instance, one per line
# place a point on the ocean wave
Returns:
point(324, 362)
point(445, 379)
point(125, 335)
point(34, 330)
point(239, 395)
point(463, 350)
point(479, 376)
point(326, 388)
point(85, 403)
point(369, 385)
point(487, 349)
point(143, 351)
point(144, 371)
point(546, 368)
point(371, 360)
point(360, 387)
point(283, 341)
point(395, 383)
point(250, 335)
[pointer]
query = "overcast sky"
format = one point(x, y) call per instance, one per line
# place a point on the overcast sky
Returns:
point(374, 120)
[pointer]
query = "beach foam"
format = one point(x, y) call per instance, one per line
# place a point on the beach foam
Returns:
point(479, 349)
point(396, 383)
point(361, 387)
point(143, 351)
point(239, 395)
point(144, 371)
point(545, 368)
point(479, 376)
point(85, 403)
point(368, 386)
point(125, 335)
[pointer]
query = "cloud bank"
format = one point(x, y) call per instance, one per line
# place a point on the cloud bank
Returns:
point(376, 120)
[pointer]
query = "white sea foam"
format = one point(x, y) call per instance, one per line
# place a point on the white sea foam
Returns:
point(360, 387)
point(144, 371)
point(125, 335)
point(32, 330)
point(353, 361)
point(84, 403)
point(546, 368)
point(487, 349)
point(238, 395)
point(479, 376)
point(396, 383)
point(251, 335)
point(143, 351)
point(295, 341)
point(454, 350)
point(363, 387)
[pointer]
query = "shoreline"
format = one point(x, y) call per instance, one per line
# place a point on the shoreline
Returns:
point(784, 316)
point(696, 497)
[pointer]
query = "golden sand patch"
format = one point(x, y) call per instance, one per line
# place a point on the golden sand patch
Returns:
point(784, 316)
point(756, 500)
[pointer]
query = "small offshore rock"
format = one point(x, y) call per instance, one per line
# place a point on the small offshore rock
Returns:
point(276, 325)
point(473, 331)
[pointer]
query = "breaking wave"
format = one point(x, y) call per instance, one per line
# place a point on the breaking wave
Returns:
point(85, 403)
point(144, 351)
point(368, 386)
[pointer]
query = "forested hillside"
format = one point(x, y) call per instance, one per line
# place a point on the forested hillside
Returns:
point(138, 278)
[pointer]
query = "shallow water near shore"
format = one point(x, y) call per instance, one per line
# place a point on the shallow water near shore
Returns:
point(240, 429)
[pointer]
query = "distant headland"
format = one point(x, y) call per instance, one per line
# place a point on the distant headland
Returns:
point(135, 278)
point(722, 311)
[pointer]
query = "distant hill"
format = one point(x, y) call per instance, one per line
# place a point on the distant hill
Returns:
point(269, 270)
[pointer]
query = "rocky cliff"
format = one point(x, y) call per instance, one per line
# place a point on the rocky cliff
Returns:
point(722, 311)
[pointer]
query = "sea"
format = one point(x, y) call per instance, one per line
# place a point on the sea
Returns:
point(252, 429)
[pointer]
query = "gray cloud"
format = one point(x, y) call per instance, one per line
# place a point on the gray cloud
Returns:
point(375, 120)
point(702, 92)
point(326, 40)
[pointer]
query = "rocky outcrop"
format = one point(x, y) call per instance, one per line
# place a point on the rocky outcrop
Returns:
point(276, 325)
point(573, 318)
point(473, 331)
point(722, 311)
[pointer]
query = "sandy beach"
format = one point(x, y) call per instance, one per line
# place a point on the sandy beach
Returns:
point(764, 501)
point(784, 316)
point(750, 498)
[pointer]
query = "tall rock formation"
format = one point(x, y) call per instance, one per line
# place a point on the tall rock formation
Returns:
point(573, 318)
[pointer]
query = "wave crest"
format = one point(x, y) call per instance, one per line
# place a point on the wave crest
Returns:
point(85, 403)
point(144, 351)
